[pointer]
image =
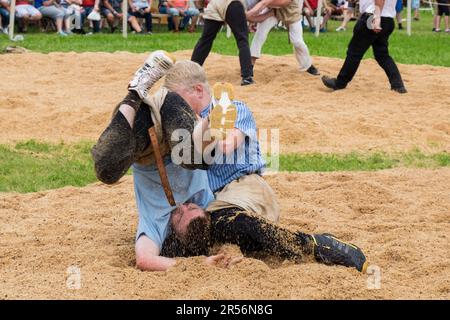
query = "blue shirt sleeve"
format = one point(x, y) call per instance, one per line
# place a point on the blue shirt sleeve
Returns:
point(245, 120)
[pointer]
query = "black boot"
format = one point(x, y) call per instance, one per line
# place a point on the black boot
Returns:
point(330, 250)
point(247, 81)
point(330, 83)
point(313, 70)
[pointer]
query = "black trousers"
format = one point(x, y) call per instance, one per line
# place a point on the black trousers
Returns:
point(235, 18)
point(253, 234)
point(362, 39)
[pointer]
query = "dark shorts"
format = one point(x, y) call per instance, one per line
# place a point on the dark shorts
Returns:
point(104, 11)
point(444, 9)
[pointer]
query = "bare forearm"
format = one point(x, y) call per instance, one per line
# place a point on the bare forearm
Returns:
point(108, 6)
point(278, 3)
point(379, 4)
point(261, 17)
point(157, 264)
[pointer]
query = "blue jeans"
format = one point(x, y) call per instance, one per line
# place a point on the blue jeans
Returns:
point(5, 17)
point(170, 23)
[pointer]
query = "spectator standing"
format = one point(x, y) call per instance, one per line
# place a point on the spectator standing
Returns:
point(443, 10)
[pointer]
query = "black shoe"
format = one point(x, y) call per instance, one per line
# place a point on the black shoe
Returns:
point(79, 31)
point(330, 83)
point(400, 27)
point(313, 70)
point(400, 90)
point(247, 81)
point(330, 250)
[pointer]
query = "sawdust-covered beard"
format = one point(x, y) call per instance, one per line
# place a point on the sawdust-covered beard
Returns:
point(192, 227)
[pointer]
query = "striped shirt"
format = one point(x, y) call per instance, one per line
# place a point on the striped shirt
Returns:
point(246, 159)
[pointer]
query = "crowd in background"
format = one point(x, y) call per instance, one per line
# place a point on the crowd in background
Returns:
point(77, 16)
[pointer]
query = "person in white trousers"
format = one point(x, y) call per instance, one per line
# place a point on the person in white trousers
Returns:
point(268, 13)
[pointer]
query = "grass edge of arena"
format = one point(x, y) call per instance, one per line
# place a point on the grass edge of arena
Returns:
point(12, 10)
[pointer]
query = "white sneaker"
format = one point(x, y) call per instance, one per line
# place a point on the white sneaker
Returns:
point(340, 29)
point(154, 68)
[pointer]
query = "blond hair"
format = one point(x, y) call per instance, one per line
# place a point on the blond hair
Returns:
point(185, 74)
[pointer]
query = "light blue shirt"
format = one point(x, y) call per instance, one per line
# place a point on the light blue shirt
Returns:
point(246, 159)
point(153, 207)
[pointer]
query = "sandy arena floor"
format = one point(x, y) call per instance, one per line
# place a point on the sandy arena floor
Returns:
point(70, 96)
point(400, 217)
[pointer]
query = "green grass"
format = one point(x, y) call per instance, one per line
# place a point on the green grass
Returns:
point(31, 166)
point(361, 162)
point(423, 47)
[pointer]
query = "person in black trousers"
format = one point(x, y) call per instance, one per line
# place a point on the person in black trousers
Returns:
point(233, 13)
point(363, 37)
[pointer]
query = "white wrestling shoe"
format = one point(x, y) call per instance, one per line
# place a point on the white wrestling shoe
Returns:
point(154, 68)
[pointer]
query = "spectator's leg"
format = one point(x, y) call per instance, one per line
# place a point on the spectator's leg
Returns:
point(132, 20)
point(96, 25)
point(348, 13)
point(59, 23)
point(235, 17)
point(148, 21)
point(21, 16)
point(204, 44)
point(170, 24)
point(326, 17)
point(361, 41)
point(53, 13)
point(437, 22)
point(260, 37)
point(66, 20)
point(308, 14)
point(399, 20)
point(175, 14)
point(193, 24)
point(79, 21)
point(381, 53)
point(5, 17)
point(193, 15)
point(109, 18)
